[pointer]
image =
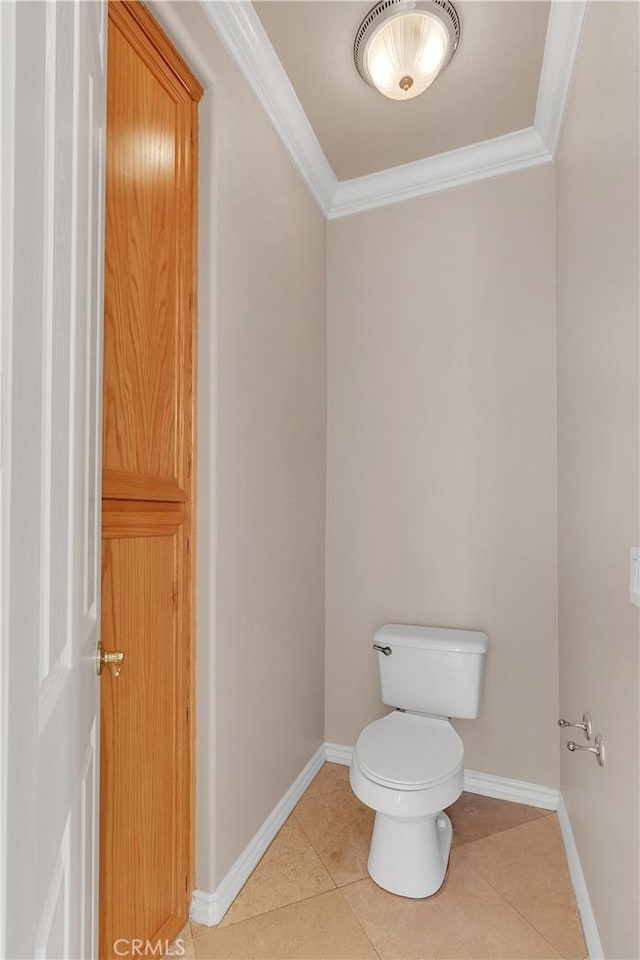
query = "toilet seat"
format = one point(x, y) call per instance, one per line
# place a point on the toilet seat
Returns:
point(406, 751)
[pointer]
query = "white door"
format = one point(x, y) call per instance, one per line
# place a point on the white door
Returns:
point(53, 123)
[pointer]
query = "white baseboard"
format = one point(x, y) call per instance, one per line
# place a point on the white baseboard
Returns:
point(204, 908)
point(518, 791)
point(485, 784)
point(589, 927)
point(338, 753)
point(210, 908)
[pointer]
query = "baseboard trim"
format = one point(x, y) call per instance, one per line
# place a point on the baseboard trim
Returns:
point(338, 753)
point(589, 927)
point(210, 908)
point(517, 791)
point(204, 908)
point(485, 784)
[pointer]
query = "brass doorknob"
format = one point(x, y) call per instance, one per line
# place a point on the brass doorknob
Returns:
point(114, 659)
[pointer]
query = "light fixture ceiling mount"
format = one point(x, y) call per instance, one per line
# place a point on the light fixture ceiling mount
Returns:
point(401, 46)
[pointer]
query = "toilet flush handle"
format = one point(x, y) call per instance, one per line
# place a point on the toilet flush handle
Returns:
point(386, 650)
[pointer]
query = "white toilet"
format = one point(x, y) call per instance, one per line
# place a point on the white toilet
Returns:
point(410, 765)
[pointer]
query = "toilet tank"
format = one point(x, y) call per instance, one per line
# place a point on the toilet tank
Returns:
point(431, 670)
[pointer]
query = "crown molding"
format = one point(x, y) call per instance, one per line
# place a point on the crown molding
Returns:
point(564, 33)
point(241, 31)
point(479, 161)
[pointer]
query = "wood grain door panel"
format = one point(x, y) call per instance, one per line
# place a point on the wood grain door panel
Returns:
point(145, 718)
point(146, 833)
point(149, 270)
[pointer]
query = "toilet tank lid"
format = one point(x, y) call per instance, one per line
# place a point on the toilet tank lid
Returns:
point(432, 638)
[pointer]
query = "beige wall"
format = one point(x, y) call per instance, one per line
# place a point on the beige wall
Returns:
point(271, 412)
point(598, 391)
point(441, 501)
point(442, 453)
point(261, 496)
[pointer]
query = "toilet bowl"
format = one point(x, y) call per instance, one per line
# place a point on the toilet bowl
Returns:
point(408, 767)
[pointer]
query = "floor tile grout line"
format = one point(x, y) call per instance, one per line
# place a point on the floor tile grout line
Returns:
point(340, 887)
point(249, 878)
point(460, 844)
point(292, 815)
point(498, 833)
point(352, 883)
point(300, 825)
point(357, 919)
point(320, 796)
point(318, 854)
point(515, 910)
point(283, 906)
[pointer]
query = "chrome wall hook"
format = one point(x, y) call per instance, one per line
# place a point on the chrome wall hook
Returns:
point(586, 725)
point(597, 749)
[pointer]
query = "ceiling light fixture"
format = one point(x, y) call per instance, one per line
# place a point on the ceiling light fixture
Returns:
point(402, 45)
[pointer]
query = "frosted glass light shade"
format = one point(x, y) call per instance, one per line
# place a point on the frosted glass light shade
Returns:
point(401, 48)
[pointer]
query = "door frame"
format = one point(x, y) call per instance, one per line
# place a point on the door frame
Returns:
point(7, 167)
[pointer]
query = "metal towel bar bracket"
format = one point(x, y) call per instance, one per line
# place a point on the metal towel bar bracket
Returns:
point(597, 750)
point(586, 725)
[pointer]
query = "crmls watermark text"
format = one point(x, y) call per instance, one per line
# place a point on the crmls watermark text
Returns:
point(147, 948)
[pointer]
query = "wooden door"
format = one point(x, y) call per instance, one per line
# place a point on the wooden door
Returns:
point(147, 743)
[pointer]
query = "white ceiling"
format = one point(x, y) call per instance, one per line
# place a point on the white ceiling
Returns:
point(242, 32)
point(489, 89)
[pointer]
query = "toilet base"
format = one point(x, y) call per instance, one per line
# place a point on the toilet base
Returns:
point(409, 856)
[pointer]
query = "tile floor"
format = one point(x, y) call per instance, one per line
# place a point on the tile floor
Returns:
point(507, 893)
